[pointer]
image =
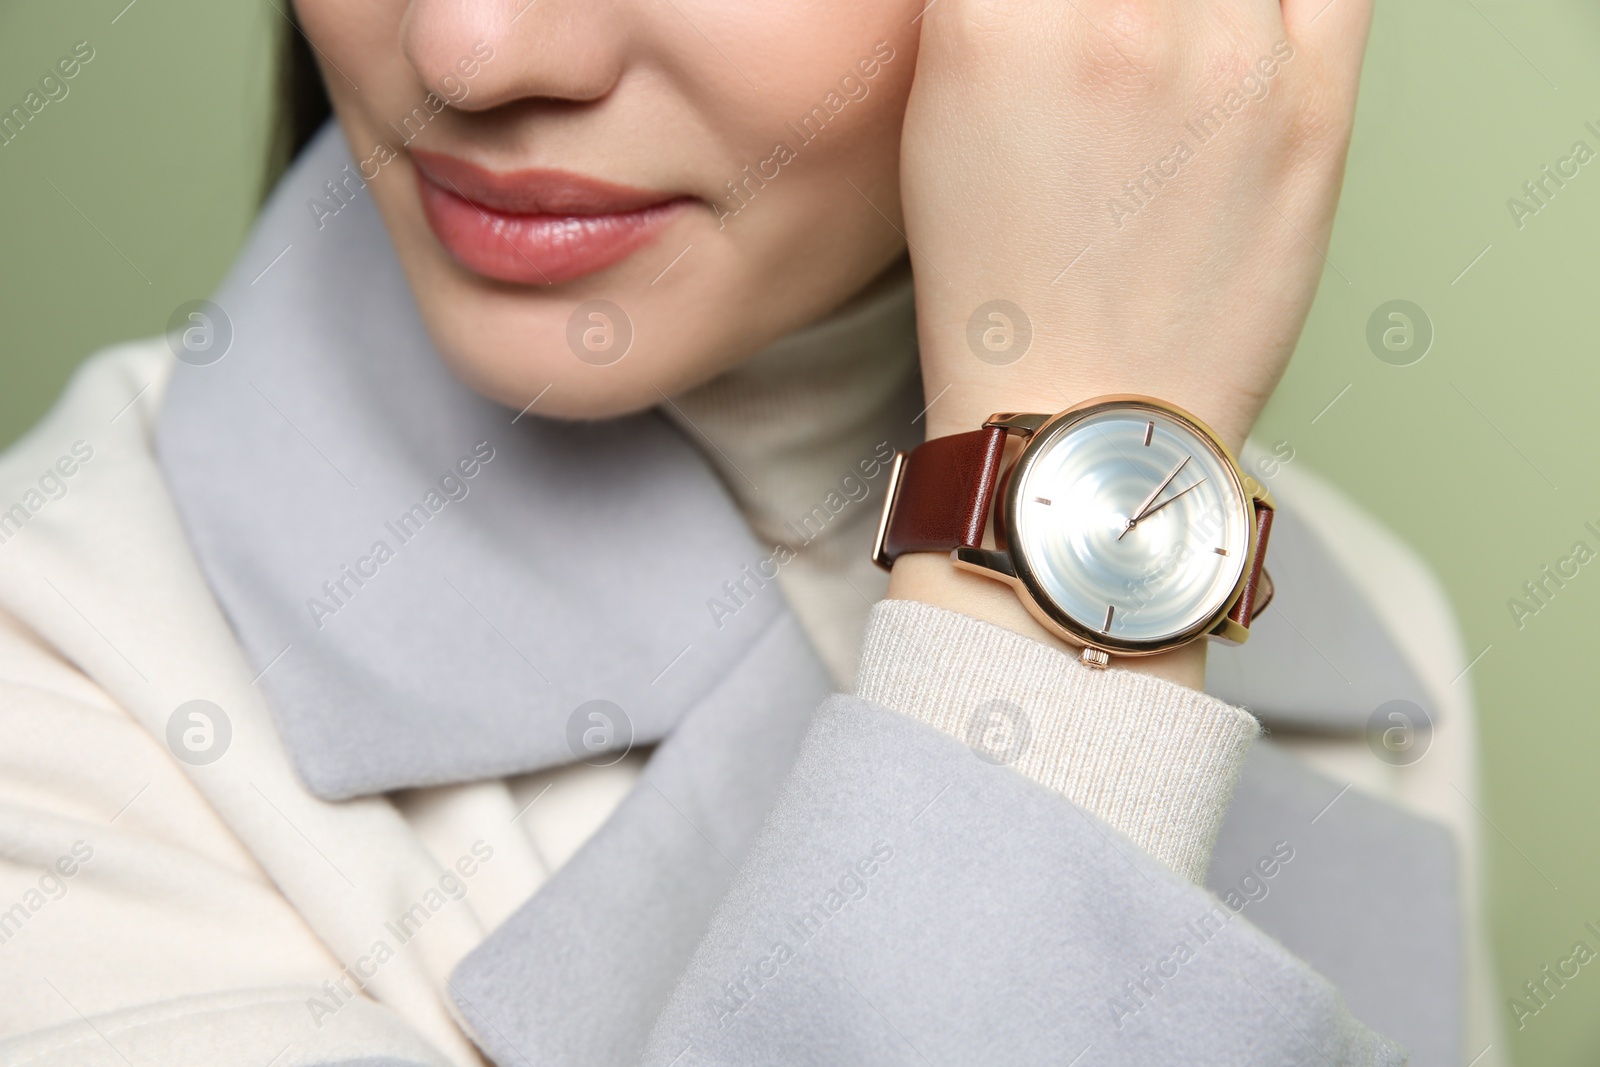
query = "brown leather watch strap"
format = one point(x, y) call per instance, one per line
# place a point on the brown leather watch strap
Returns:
point(1258, 586)
point(941, 499)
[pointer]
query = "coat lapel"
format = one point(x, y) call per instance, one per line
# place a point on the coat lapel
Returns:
point(432, 588)
point(579, 973)
point(1320, 658)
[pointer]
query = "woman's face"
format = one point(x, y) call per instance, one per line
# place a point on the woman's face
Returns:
point(619, 199)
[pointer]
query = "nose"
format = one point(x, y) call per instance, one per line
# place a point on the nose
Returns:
point(508, 50)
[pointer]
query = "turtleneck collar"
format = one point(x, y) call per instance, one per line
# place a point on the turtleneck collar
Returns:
point(802, 433)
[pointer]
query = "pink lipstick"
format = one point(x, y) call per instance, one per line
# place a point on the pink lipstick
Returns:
point(536, 226)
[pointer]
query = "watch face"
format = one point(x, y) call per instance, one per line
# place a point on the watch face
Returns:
point(1129, 524)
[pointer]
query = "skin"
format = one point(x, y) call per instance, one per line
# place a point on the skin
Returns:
point(1001, 161)
point(630, 92)
point(1200, 296)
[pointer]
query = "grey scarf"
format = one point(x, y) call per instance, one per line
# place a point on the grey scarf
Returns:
point(433, 588)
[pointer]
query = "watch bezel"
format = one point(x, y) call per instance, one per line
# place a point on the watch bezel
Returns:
point(1031, 591)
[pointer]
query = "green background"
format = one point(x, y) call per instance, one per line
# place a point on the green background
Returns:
point(131, 196)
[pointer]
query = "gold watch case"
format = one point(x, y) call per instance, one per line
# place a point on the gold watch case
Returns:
point(1009, 564)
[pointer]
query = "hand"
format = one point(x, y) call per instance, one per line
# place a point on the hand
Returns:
point(1151, 182)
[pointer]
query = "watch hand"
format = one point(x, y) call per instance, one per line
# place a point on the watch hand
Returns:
point(1139, 514)
point(1167, 501)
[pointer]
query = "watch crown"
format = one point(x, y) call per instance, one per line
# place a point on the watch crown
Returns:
point(1093, 657)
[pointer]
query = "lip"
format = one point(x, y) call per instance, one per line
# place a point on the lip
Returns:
point(536, 226)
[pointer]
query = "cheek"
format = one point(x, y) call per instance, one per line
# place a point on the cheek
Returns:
point(356, 45)
point(690, 113)
point(348, 35)
point(808, 63)
point(811, 175)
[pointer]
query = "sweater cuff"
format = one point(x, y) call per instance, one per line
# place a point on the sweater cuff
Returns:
point(1156, 760)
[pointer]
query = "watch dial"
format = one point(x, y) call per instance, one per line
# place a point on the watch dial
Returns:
point(1132, 523)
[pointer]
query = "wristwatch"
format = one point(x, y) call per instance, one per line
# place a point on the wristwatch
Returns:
point(1124, 525)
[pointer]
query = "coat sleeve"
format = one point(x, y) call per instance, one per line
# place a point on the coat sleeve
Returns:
point(909, 902)
point(989, 855)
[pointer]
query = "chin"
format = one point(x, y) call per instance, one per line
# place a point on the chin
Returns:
point(515, 343)
point(621, 339)
point(514, 378)
point(525, 361)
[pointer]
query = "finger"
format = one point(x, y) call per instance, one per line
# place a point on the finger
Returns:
point(1335, 30)
point(1257, 20)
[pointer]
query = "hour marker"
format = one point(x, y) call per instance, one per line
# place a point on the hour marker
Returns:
point(1149, 431)
point(1042, 499)
point(1110, 610)
point(1220, 551)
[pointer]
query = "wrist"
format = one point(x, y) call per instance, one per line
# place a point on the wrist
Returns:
point(963, 387)
point(967, 403)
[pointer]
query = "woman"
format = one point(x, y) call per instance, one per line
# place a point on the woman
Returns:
point(430, 663)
